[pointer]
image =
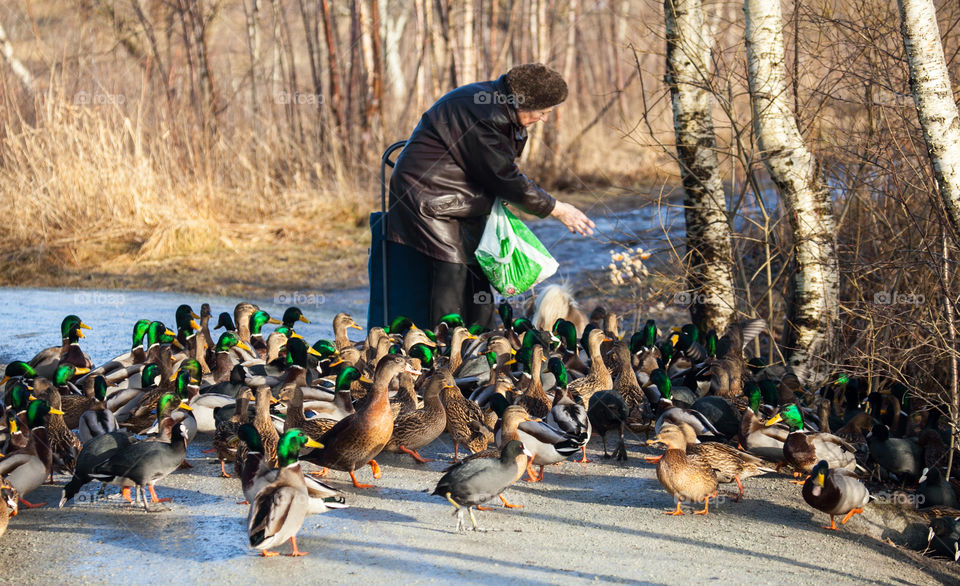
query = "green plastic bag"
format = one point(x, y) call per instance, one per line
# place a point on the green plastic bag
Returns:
point(510, 255)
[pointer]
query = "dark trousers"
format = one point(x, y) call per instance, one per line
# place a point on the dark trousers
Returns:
point(425, 289)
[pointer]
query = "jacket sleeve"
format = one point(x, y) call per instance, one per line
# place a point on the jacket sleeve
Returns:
point(487, 156)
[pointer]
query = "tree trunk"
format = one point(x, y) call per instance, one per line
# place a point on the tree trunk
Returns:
point(468, 62)
point(813, 311)
point(22, 73)
point(933, 96)
point(394, 24)
point(336, 101)
point(712, 299)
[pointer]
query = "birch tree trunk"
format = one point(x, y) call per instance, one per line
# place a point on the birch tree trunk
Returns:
point(933, 96)
point(22, 73)
point(813, 310)
point(712, 302)
point(394, 24)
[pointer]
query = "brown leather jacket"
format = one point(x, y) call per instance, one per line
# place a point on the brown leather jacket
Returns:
point(457, 161)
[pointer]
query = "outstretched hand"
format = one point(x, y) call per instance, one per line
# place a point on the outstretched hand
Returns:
point(573, 219)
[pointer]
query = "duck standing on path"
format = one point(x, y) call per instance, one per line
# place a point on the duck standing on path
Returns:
point(473, 482)
point(415, 430)
point(683, 477)
point(358, 438)
point(279, 509)
point(835, 491)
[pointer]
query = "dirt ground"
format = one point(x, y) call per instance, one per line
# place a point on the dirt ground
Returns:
point(585, 523)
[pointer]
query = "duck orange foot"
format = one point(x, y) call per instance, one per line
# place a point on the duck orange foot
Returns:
point(357, 484)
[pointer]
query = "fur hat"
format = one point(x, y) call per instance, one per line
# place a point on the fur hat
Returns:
point(536, 87)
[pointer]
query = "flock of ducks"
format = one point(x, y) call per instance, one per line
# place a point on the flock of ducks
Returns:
point(518, 398)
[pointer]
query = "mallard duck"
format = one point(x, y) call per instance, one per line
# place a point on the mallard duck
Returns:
point(565, 414)
point(357, 439)
point(292, 315)
point(465, 422)
point(665, 394)
point(534, 399)
point(64, 445)
point(898, 456)
point(683, 477)
point(599, 378)
point(15, 372)
point(124, 402)
point(142, 415)
point(341, 322)
point(225, 436)
point(28, 467)
point(143, 464)
point(62, 379)
point(835, 492)
point(73, 406)
point(97, 419)
point(258, 319)
point(763, 441)
point(255, 474)
point(626, 383)
point(241, 318)
point(728, 463)
point(46, 361)
point(803, 449)
point(474, 482)
point(547, 444)
point(295, 417)
point(95, 452)
point(172, 406)
point(608, 411)
point(457, 338)
point(414, 430)
point(279, 508)
point(8, 505)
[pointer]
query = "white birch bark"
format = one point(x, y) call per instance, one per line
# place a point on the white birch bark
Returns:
point(22, 73)
point(712, 303)
point(933, 95)
point(394, 24)
point(813, 310)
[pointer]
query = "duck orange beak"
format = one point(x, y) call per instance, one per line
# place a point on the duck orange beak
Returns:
point(304, 320)
point(274, 320)
point(774, 420)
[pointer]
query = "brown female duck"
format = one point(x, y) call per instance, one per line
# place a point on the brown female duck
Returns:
point(534, 399)
point(465, 422)
point(728, 463)
point(225, 436)
point(599, 378)
point(685, 478)
point(357, 439)
point(64, 445)
point(416, 429)
point(269, 438)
